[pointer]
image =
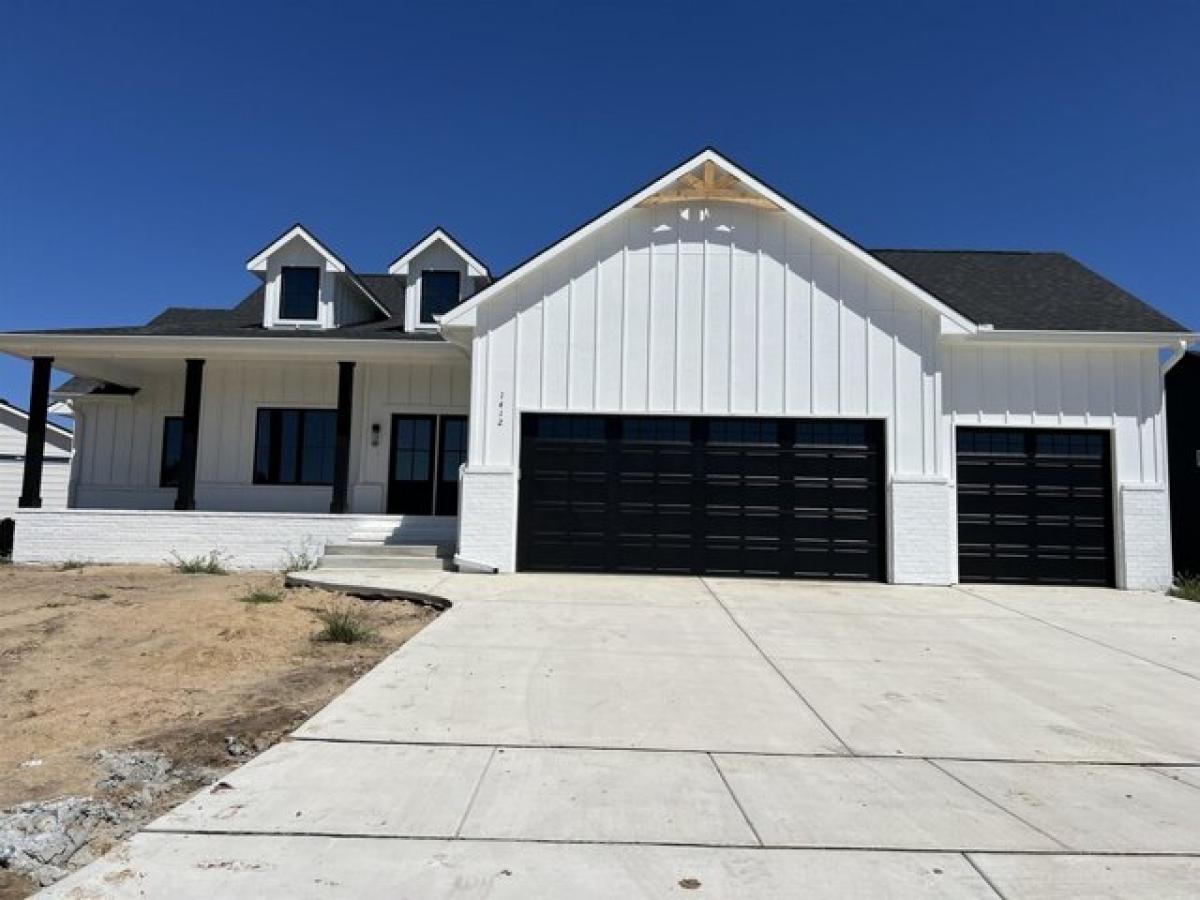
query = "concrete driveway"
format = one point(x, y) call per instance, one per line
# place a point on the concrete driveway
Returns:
point(605, 736)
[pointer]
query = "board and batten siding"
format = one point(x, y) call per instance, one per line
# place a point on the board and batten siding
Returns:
point(724, 310)
point(717, 309)
point(1114, 389)
point(121, 441)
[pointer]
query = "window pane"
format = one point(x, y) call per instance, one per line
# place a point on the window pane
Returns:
point(289, 445)
point(454, 448)
point(299, 292)
point(172, 451)
point(320, 444)
point(412, 449)
point(262, 447)
point(439, 293)
point(743, 431)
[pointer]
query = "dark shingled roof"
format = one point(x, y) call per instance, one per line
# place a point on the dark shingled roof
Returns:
point(1026, 290)
point(245, 320)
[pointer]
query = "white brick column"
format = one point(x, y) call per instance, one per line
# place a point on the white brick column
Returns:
point(922, 537)
point(487, 518)
point(1143, 537)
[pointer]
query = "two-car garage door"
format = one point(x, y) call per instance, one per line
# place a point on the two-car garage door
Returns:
point(695, 495)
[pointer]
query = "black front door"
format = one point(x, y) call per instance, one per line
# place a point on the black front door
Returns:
point(423, 473)
point(410, 487)
point(452, 453)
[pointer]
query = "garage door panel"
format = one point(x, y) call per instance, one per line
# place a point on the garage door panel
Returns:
point(717, 496)
point(1034, 506)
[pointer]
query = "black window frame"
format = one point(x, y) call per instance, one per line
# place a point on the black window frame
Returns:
point(274, 450)
point(426, 316)
point(315, 273)
point(165, 479)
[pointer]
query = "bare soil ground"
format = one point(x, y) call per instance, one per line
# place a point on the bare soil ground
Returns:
point(144, 658)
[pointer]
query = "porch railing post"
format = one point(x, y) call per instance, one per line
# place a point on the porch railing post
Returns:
point(35, 434)
point(339, 503)
point(185, 496)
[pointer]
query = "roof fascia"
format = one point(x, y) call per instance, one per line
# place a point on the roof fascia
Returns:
point(1027, 337)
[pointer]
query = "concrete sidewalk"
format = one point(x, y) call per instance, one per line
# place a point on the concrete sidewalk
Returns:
point(643, 737)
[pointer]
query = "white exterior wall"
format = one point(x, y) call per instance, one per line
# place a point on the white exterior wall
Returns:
point(120, 441)
point(730, 310)
point(1113, 389)
point(244, 540)
point(716, 310)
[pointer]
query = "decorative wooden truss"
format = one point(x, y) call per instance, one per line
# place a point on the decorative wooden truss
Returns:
point(708, 183)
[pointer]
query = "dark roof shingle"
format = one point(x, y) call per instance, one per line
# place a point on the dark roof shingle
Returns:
point(1023, 290)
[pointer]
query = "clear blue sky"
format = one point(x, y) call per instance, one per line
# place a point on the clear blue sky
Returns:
point(147, 149)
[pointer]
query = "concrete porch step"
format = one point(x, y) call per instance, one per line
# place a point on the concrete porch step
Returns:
point(377, 548)
point(367, 561)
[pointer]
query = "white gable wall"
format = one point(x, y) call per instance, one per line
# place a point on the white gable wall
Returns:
point(721, 309)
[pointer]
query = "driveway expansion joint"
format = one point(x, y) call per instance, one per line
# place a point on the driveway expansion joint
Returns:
point(736, 801)
point(982, 874)
point(1083, 637)
point(778, 671)
point(1000, 806)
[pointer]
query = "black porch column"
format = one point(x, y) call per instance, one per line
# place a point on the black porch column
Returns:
point(341, 454)
point(185, 497)
point(35, 435)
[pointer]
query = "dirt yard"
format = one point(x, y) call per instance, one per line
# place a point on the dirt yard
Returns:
point(108, 658)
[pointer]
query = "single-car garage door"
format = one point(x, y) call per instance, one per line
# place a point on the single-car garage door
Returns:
point(692, 495)
point(1034, 506)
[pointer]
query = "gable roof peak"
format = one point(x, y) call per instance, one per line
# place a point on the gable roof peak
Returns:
point(748, 189)
point(259, 261)
point(475, 267)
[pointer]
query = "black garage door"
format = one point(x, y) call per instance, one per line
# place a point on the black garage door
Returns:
point(690, 495)
point(1034, 507)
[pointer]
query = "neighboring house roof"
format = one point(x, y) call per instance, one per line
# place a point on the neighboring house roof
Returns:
point(1025, 290)
point(78, 386)
point(24, 414)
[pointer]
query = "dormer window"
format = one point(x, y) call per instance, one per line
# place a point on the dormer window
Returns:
point(299, 293)
point(439, 293)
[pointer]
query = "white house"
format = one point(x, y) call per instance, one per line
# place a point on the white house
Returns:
point(56, 450)
point(705, 378)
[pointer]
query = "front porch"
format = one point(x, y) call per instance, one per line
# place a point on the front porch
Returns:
point(258, 449)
